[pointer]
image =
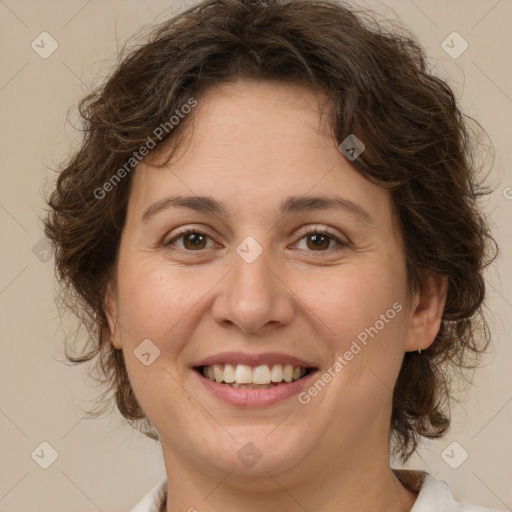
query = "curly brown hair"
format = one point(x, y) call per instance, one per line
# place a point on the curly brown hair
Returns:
point(374, 75)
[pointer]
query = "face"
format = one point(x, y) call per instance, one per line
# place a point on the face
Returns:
point(265, 277)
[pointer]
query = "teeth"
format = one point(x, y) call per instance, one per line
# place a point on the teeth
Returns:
point(251, 386)
point(262, 376)
point(277, 373)
point(219, 374)
point(229, 373)
point(243, 374)
point(288, 373)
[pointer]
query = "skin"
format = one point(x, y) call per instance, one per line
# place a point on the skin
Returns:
point(251, 145)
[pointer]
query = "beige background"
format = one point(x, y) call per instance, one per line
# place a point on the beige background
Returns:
point(102, 465)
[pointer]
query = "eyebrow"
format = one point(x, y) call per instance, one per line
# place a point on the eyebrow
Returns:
point(292, 204)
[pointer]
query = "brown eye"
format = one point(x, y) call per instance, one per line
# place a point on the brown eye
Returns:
point(192, 240)
point(321, 241)
point(318, 241)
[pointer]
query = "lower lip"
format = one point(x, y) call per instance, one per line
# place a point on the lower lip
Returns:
point(255, 397)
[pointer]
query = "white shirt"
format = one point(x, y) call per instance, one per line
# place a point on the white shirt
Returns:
point(433, 496)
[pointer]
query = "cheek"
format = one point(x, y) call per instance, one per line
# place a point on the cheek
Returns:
point(153, 297)
point(352, 298)
point(362, 313)
point(164, 303)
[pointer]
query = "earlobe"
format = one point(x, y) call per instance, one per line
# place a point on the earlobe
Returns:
point(110, 308)
point(427, 313)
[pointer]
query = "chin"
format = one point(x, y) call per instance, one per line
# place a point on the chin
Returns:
point(256, 451)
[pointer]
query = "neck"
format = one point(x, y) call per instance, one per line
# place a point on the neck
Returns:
point(333, 485)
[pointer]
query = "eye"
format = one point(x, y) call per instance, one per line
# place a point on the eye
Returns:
point(193, 240)
point(319, 240)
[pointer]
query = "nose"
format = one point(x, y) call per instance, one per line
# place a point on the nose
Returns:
point(254, 296)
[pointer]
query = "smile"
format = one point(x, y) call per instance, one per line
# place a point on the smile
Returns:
point(246, 379)
point(244, 376)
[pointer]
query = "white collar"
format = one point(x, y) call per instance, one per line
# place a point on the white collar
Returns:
point(434, 496)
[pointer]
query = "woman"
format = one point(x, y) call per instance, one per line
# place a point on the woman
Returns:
point(272, 228)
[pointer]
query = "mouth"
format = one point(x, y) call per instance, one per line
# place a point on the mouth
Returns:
point(254, 380)
point(244, 376)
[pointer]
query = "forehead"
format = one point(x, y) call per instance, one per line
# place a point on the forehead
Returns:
point(252, 143)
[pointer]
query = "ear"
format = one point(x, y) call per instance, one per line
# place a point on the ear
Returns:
point(111, 310)
point(426, 313)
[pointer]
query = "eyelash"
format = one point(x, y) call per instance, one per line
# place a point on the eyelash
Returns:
point(310, 231)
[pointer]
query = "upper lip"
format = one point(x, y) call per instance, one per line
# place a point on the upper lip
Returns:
point(235, 358)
